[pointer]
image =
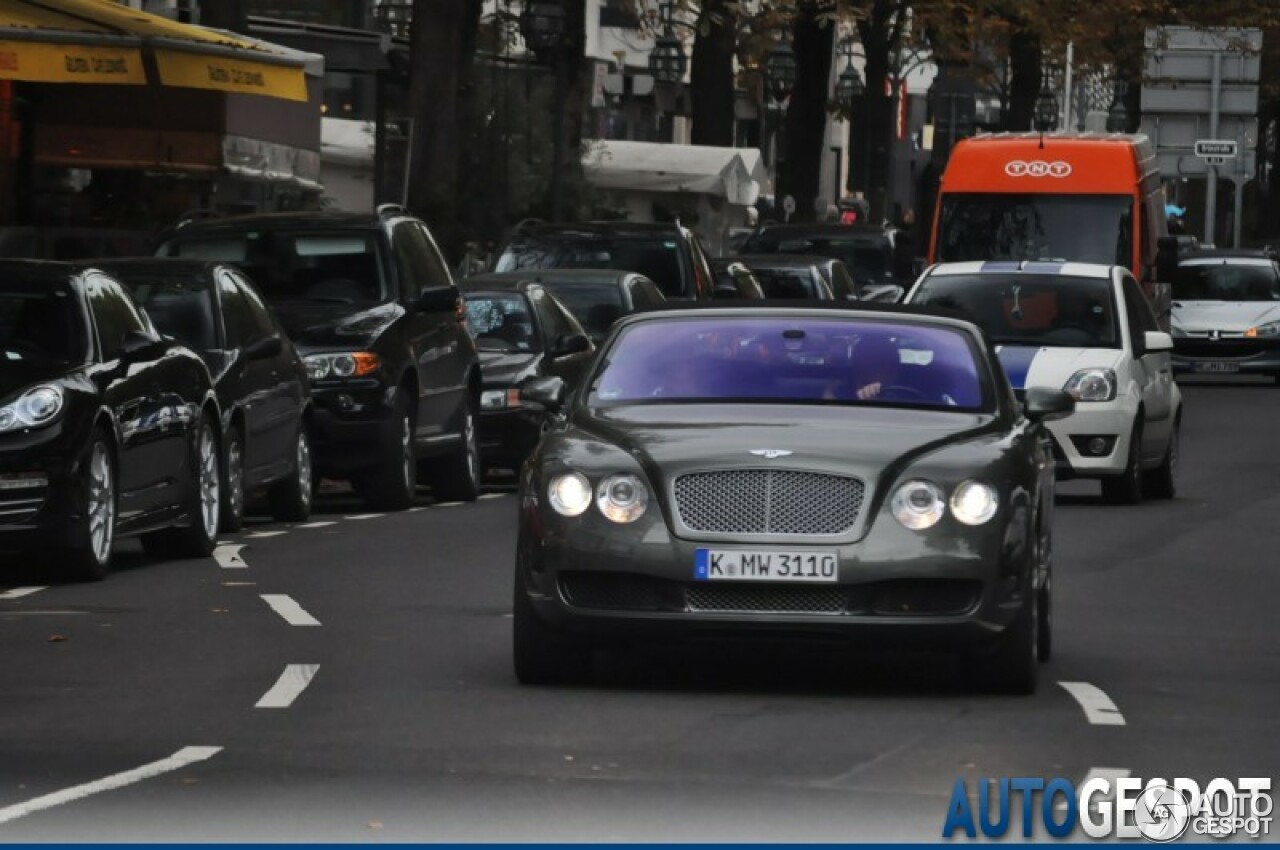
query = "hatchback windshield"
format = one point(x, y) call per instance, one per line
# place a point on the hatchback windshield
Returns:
point(1237, 279)
point(791, 361)
point(1029, 309)
point(180, 307)
point(1079, 228)
point(333, 267)
point(40, 322)
point(655, 257)
point(501, 322)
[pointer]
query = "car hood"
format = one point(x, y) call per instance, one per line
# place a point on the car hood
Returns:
point(19, 376)
point(1051, 366)
point(313, 326)
point(507, 368)
point(1231, 316)
point(670, 439)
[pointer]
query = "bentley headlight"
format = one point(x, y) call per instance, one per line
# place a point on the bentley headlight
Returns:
point(973, 502)
point(1092, 385)
point(622, 498)
point(918, 504)
point(570, 494)
point(36, 407)
point(1269, 329)
point(354, 364)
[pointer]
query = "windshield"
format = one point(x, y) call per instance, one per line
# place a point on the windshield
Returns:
point(334, 267)
point(1077, 228)
point(788, 283)
point(40, 322)
point(791, 361)
point(501, 322)
point(869, 260)
point(655, 257)
point(1054, 310)
point(179, 307)
point(596, 306)
point(1227, 280)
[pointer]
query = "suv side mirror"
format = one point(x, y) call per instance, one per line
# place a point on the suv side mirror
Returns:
point(567, 344)
point(1045, 405)
point(442, 299)
point(268, 346)
point(549, 392)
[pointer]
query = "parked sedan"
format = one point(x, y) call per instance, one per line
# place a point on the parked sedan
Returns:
point(106, 428)
point(789, 277)
point(522, 333)
point(1226, 313)
point(261, 382)
point(828, 471)
point(597, 297)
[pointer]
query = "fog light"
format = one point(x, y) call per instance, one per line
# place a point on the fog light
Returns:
point(1097, 446)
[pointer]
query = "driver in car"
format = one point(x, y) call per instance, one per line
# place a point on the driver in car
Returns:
point(877, 366)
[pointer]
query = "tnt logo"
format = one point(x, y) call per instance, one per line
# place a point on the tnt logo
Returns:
point(1037, 168)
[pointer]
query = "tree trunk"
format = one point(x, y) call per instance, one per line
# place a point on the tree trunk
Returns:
point(711, 80)
point(806, 122)
point(880, 32)
point(1024, 80)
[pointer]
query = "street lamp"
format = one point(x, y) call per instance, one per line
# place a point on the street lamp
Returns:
point(667, 62)
point(1046, 117)
point(780, 68)
point(849, 86)
point(1118, 115)
point(543, 26)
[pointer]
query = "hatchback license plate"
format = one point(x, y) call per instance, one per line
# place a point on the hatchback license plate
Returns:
point(1216, 366)
point(737, 565)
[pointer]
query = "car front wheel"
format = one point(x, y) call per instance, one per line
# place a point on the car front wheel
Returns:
point(457, 477)
point(391, 485)
point(233, 484)
point(1126, 488)
point(1014, 666)
point(87, 553)
point(1162, 482)
point(198, 538)
point(291, 498)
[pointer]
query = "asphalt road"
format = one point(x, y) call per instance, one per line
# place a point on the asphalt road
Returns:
point(350, 681)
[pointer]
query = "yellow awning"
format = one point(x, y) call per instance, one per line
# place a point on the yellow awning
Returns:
point(99, 41)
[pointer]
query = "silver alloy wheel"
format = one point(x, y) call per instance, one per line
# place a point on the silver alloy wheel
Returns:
point(208, 480)
point(235, 478)
point(101, 508)
point(406, 451)
point(303, 461)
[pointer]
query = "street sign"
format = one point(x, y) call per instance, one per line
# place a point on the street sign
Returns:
point(1216, 148)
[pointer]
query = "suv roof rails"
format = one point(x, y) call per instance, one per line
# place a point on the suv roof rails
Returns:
point(196, 215)
point(392, 209)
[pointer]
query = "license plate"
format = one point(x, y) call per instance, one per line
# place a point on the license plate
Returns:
point(737, 565)
point(1215, 366)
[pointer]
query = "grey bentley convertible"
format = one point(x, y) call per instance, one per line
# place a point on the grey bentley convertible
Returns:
point(861, 474)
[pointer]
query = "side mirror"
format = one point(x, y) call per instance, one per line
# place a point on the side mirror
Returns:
point(567, 344)
point(443, 299)
point(549, 392)
point(268, 346)
point(137, 346)
point(1157, 341)
point(1044, 405)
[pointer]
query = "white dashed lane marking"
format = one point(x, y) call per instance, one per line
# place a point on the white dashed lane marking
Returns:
point(177, 761)
point(291, 611)
point(19, 592)
point(258, 535)
point(228, 556)
point(292, 682)
point(1098, 707)
point(495, 495)
point(364, 516)
point(318, 524)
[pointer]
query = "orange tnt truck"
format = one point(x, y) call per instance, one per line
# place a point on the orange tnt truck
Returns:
point(1065, 197)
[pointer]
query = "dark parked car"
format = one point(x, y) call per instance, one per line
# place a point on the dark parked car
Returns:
point(668, 254)
point(790, 277)
point(106, 428)
point(734, 280)
point(258, 375)
point(522, 332)
point(841, 473)
point(866, 251)
point(597, 297)
point(372, 307)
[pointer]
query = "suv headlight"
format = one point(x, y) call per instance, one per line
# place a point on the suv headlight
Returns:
point(1269, 329)
point(918, 504)
point(1092, 385)
point(36, 407)
point(622, 498)
point(347, 364)
point(974, 502)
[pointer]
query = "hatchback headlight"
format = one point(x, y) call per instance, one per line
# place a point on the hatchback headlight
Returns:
point(918, 504)
point(622, 498)
point(348, 364)
point(570, 494)
point(974, 502)
point(36, 407)
point(1092, 385)
point(1269, 329)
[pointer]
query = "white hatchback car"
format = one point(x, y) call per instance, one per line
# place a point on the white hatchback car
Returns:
point(1088, 329)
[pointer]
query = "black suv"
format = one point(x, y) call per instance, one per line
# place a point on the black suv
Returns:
point(668, 254)
point(372, 307)
point(866, 251)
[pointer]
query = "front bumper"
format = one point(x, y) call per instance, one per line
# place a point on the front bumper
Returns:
point(1234, 355)
point(38, 513)
point(1110, 421)
point(352, 423)
point(895, 587)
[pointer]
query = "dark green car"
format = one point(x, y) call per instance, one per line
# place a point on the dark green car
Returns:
point(777, 468)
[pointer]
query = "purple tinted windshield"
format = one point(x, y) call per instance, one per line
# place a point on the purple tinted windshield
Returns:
point(792, 360)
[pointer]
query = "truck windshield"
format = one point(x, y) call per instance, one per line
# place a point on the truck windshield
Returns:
point(1077, 228)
